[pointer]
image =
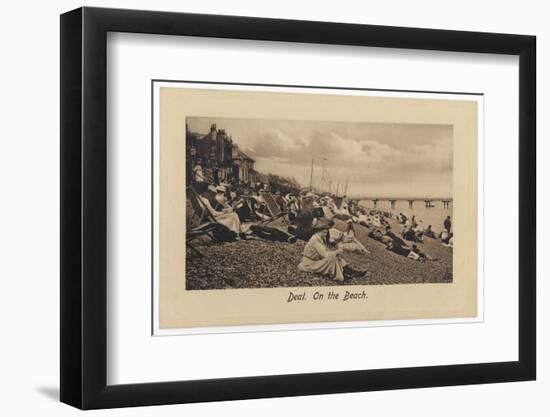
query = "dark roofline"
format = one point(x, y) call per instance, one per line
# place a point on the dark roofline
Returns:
point(245, 156)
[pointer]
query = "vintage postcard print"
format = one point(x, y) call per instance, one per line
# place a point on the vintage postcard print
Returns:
point(279, 207)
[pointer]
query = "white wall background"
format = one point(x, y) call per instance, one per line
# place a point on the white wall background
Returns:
point(29, 232)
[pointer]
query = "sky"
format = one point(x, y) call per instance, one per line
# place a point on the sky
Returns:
point(377, 159)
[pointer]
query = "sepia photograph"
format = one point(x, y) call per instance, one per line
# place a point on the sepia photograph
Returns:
point(300, 203)
point(276, 206)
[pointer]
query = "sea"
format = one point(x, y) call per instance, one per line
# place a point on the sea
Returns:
point(429, 215)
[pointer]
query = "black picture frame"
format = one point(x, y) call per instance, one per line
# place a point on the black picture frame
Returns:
point(84, 207)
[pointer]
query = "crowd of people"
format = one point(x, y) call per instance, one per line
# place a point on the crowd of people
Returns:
point(243, 213)
point(414, 231)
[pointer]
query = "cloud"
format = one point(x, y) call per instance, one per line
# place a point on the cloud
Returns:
point(274, 143)
point(336, 149)
point(377, 152)
point(375, 158)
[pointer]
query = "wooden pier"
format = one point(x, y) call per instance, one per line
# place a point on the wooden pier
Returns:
point(428, 202)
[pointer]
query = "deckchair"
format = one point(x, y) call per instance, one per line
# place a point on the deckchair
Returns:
point(273, 208)
point(207, 221)
point(199, 208)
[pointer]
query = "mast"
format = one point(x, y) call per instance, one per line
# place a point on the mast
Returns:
point(324, 183)
point(311, 175)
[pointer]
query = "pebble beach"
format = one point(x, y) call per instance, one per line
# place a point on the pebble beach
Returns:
point(257, 263)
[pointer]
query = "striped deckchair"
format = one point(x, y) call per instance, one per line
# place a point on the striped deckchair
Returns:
point(207, 221)
point(273, 208)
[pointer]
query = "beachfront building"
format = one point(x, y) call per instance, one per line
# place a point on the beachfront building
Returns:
point(243, 166)
point(221, 159)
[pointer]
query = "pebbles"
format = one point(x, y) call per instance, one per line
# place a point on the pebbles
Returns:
point(259, 263)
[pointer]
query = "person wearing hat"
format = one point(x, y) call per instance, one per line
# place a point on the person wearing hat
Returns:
point(225, 216)
point(305, 222)
point(327, 212)
point(335, 236)
point(292, 206)
point(199, 178)
point(220, 195)
point(317, 257)
point(210, 194)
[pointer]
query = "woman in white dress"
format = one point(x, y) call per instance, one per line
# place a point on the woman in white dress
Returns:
point(319, 259)
point(227, 217)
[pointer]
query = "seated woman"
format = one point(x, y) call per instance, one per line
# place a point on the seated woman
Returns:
point(409, 234)
point(220, 197)
point(349, 241)
point(429, 232)
point(259, 208)
point(327, 212)
point(319, 259)
point(402, 218)
point(419, 231)
point(234, 203)
point(210, 194)
point(226, 216)
point(292, 206)
point(305, 225)
point(334, 236)
point(341, 213)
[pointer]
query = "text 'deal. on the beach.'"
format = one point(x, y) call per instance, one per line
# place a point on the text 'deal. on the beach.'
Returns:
point(326, 296)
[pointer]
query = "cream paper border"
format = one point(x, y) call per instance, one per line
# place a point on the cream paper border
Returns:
point(179, 308)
